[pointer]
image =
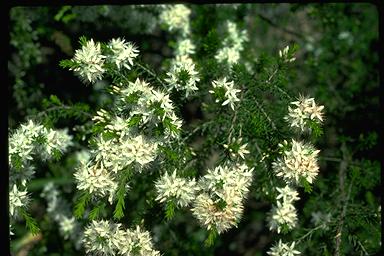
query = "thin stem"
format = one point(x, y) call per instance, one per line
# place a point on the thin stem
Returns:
point(151, 73)
point(44, 112)
point(310, 232)
point(265, 114)
point(343, 198)
point(272, 23)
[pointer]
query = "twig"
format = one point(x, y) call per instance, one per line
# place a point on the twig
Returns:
point(234, 119)
point(272, 23)
point(151, 73)
point(44, 112)
point(278, 88)
point(343, 197)
point(265, 114)
point(310, 232)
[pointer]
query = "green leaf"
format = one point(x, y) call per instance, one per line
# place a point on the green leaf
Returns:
point(212, 235)
point(81, 204)
point(96, 211)
point(30, 222)
point(134, 120)
point(170, 209)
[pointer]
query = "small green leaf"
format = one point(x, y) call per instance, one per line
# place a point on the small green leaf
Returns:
point(81, 204)
point(30, 222)
point(211, 238)
point(170, 209)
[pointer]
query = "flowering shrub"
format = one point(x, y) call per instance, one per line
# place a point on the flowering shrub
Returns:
point(163, 155)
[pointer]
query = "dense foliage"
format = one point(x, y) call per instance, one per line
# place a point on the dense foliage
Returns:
point(236, 129)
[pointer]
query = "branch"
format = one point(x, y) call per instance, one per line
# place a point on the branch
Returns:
point(274, 24)
point(343, 198)
point(151, 73)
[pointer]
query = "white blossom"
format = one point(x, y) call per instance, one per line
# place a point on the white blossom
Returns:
point(176, 18)
point(282, 214)
point(96, 180)
point(232, 44)
point(89, 62)
point(303, 110)
point(17, 199)
point(123, 53)
point(298, 161)
point(220, 205)
point(183, 75)
point(185, 47)
point(107, 238)
point(236, 148)
point(230, 91)
point(171, 187)
point(283, 249)
point(287, 194)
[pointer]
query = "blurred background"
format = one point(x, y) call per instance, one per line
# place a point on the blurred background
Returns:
point(337, 63)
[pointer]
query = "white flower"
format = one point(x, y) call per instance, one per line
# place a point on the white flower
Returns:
point(170, 187)
point(185, 47)
point(107, 238)
point(17, 199)
point(287, 194)
point(89, 62)
point(232, 44)
point(304, 109)
point(230, 55)
point(215, 216)
point(183, 75)
point(282, 214)
point(123, 53)
point(220, 205)
point(282, 249)
point(176, 17)
point(229, 91)
point(235, 147)
point(299, 161)
point(67, 226)
point(96, 180)
point(56, 140)
point(99, 237)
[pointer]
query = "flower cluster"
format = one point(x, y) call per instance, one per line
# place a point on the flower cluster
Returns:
point(59, 210)
point(299, 161)
point(106, 238)
point(304, 110)
point(184, 46)
point(181, 190)
point(283, 249)
point(122, 147)
point(297, 165)
point(220, 204)
point(96, 180)
point(236, 148)
point(225, 91)
point(17, 199)
point(89, 61)
point(149, 107)
point(31, 141)
point(232, 44)
point(176, 18)
point(123, 53)
point(183, 75)
point(284, 213)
